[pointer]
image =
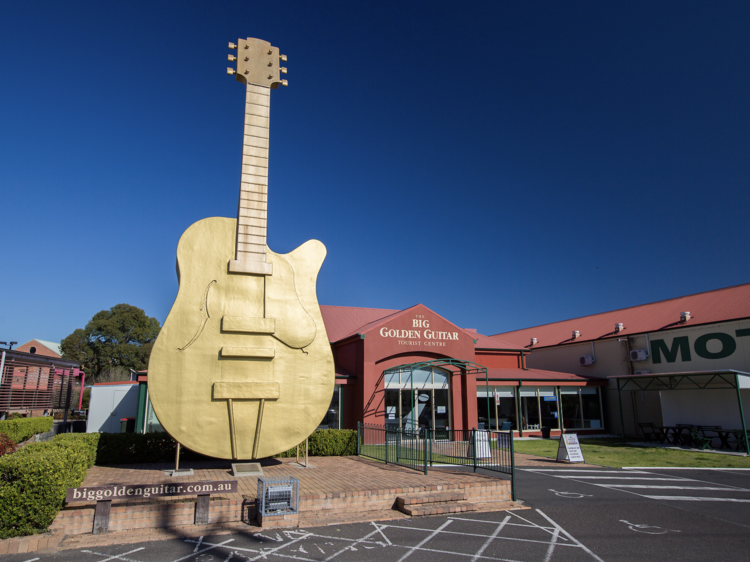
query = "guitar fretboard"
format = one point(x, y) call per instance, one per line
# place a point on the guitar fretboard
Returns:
point(252, 215)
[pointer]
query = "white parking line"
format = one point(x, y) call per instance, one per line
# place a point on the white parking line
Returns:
point(489, 539)
point(697, 499)
point(115, 556)
point(625, 478)
point(643, 486)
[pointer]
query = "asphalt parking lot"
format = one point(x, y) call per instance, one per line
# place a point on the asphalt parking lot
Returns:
point(574, 515)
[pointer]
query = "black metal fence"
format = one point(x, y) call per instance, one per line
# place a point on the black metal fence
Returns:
point(424, 448)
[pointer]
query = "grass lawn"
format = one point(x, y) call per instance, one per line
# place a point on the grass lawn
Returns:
point(615, 453)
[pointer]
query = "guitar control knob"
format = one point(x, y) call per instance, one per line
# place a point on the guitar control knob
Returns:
point(231, 71)
point(283, 70)
point(231, 58)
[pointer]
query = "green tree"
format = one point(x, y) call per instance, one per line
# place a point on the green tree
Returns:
point(118, 338)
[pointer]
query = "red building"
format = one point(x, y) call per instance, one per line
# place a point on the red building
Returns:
point(414, 367)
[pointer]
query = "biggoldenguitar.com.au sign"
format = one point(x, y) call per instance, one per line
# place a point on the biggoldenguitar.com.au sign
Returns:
point(101, 493)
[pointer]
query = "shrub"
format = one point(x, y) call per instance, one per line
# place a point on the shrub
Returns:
point(20, 429)
point(33, 484)
point(6, 445)
point(328, 443)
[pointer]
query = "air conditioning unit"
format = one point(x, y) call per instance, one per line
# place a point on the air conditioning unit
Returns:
point(646, 372)
point(586, 359)
point(638, 355)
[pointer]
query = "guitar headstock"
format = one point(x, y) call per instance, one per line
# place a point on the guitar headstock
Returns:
point(257, 63)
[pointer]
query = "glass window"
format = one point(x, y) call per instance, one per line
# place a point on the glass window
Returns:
point(440, 378)
point(571, 407)
point(442, 419)
point(548, 406)
point(391, 379)
point(332, 419)
point(506, 408)
point(592, 415)
point(152, 422)
point(529, 409)
point(482, 414)
point(422, 377)
point(391, 407)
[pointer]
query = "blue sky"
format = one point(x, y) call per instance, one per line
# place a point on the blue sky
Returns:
point(506, 164)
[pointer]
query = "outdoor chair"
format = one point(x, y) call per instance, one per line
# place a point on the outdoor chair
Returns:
point(650, 433)
point(506, 426)
point(699, 438)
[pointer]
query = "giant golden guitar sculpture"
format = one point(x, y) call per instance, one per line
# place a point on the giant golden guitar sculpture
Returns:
point(242, 367)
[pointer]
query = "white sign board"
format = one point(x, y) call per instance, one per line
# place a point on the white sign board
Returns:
point(570, 448)
point(483, 445)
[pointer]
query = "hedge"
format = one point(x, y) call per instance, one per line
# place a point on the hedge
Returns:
point(129, 448)
point(33, 484)
point(20, 429)
point(328, 443)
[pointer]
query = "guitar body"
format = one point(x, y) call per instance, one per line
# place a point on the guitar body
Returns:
point(240, 350)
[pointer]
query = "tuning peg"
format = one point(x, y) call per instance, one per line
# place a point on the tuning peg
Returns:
point(282, 57)
point(231, 58)
point(231, 71)
point(283, 70)
point(285, 82)
point(232, 46)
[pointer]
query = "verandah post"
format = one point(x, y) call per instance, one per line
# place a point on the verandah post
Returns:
point(742, 413)
point(513, 467)
point(622, 416)
point(474, 446)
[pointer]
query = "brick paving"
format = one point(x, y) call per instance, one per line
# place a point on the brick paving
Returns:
point(334, 490)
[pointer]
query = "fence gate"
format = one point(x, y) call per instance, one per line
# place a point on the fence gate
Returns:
point(421, 449)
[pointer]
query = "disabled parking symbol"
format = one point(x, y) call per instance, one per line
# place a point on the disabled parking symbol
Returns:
point(648, 529)
point(572, 495)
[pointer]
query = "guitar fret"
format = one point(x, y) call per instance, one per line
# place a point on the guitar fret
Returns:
point(256, 142)
point(254, 205)
point(249, 229)
point(260, 161)
point(256, 120)
point(252, 248)
point(251, 221)
point(252, 216)
point(254, 170)
point(260, 152)
point(251, 239)
point(253, 196)
point(255, 109)
point(253, 131)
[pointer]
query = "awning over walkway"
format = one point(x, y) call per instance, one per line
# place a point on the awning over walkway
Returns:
point(516, 376)
point(692, 380)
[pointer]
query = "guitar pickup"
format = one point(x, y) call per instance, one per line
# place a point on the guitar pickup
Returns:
point(249, 352)
point(246, 391)
point(248, 325)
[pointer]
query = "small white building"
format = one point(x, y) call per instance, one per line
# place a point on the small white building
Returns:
point(110, 402)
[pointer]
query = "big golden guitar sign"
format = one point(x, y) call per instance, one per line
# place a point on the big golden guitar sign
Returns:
point(242, 368)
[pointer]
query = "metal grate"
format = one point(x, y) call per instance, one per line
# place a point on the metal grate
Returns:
point(278, 496)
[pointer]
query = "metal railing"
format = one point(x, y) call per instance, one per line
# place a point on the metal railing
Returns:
point(421, 449)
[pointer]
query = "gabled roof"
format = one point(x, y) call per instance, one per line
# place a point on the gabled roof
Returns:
point(342, 321)
point(52, 349)
point(720, 305)
point(52, 346)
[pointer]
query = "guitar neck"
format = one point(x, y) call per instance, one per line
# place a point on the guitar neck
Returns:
point(252, 210)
